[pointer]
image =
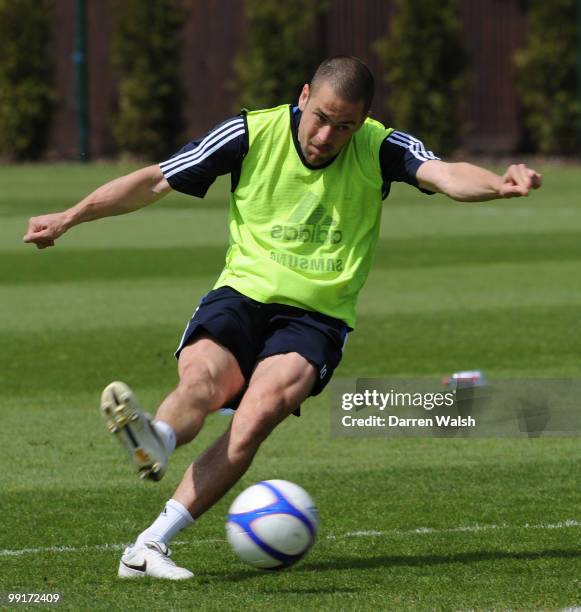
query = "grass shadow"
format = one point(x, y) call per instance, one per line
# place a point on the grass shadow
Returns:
point(386, 561)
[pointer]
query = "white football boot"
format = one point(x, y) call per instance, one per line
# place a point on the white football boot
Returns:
point(151, 559)
point(134, 429)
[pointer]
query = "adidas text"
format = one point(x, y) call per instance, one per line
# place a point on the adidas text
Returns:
point(318, 234)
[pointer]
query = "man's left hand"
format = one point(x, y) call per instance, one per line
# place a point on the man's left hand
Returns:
point(518, 180)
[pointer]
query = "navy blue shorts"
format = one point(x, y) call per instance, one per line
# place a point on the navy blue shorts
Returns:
point(251, 331)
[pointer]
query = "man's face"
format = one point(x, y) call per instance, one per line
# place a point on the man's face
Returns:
point(327, 123)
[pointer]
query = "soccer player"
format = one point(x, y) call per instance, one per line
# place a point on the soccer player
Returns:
point(306, 197)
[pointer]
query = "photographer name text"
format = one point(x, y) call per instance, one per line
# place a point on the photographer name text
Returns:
point(439, 420)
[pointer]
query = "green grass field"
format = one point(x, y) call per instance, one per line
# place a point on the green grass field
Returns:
point(410, 524)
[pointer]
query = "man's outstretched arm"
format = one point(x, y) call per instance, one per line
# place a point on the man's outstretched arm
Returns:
point(120, 196)
point(469, 183)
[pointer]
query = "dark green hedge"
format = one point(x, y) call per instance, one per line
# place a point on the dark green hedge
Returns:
point(26, 93)
point(424, 62)
point(146, 58)
point(280, 52)
point(547, 77)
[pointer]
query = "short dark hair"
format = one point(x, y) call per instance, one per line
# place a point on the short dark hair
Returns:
point(349, 77)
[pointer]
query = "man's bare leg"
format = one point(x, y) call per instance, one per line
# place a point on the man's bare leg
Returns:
point(278, 385)
point(209, 375)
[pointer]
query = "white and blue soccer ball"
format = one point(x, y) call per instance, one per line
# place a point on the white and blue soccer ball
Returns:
point(272, 524)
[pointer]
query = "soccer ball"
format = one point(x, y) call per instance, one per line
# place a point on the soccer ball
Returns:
point(272, 524)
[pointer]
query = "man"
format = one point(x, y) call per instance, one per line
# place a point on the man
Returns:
point(307, 190)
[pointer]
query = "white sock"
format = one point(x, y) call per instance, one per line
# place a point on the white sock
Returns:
point(167, 435)
point(170, 522)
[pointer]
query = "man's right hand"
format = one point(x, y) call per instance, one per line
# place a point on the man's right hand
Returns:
point(117, 197)
point(44, 230)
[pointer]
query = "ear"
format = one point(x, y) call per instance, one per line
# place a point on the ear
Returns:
point(304, 97)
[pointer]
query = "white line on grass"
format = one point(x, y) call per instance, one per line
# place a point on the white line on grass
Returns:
point(59, 549)
point(467, 528)
point(350, 534)
point(73, 549)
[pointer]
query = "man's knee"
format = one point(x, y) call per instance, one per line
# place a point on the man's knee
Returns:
point(258, 415)
point(200, 386)
point(200, 389)
point(209, 375)
point(246, 438)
